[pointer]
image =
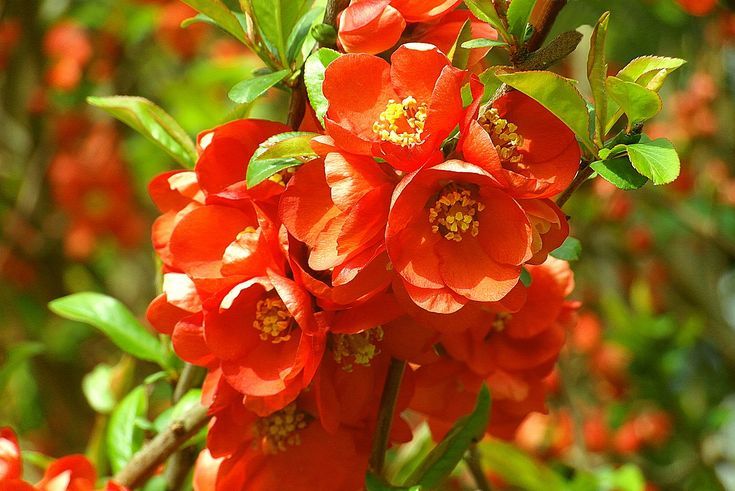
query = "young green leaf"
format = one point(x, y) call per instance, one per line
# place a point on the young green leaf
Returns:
point(657, 160)
point(526, 278)
point(276, 19)
point(124, 437)
point(314, 70)
point(596, 73)
point(458, 54)
point(114, 319)
point(248, 90)
point(152, 122)
point(637, 102)
point(619, 172)
point(375, 483)
point(221, 15)
point(482, 43)
point(518, 14)
point(640, 66)
point(97, 388)
point(518, 469)
point(570, 250)
point(277, 153)
point(446, 455)
point(300, 34)
point(557, 94)
point(485, 11)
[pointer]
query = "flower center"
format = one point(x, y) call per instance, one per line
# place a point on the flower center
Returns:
point(356, 349)
point(506, 138)
point(402, 122)
point(499, 324)
point(455, 213)
point(283, 176)
point(280, 430)
point(273, 320)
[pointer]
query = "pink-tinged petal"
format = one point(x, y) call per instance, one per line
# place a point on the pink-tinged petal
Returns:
point(174, 190)
point(325, 254)
point(181, 292)
point(467, 269)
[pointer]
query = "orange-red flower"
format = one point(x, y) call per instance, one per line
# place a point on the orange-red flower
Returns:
point(401, 111)
point(525, 147)
point(698, 7)
point(454, 237)
point(370, 26)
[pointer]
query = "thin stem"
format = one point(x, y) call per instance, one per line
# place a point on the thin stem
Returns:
point(473, 464)
point(145, 462)
point(546, 21)
point(385, 414)
point(191, 376)
point(584, 173)
point(297, 106)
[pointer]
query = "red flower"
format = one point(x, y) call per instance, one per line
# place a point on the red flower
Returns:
point(550, 227)
point(454, 237)
point(370, 26)
point(525, 147)
point(11, 466)
point(698, 7)
point(400, 112)
point(424, 10)
point(267, 338)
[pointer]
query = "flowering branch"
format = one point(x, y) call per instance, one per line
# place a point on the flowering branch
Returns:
point(155, 452)
point(385, 414)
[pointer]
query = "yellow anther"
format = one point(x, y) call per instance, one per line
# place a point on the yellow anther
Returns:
point(455, 213)
point(501, 321)
point(402, 122)
point(283, 176)
point(356, 349)
point(506, 138)
point(273, 320)
point(280, 430)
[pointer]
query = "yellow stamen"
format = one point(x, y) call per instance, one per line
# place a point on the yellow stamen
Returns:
point(273, 320)
point(356, 349)
point(283, 176)
point(506, 138)
point(402, 122)
point(501, 321)
point(280, 430)
point(455, 213)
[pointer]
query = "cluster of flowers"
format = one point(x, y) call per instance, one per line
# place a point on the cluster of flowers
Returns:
point(552, 435)
point(296, 292)
point(70, 473)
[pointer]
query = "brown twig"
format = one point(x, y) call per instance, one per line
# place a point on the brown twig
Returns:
point(334, 7)
point(584, 173)
point(385, 414)
point(155, 452)
point(546, 18)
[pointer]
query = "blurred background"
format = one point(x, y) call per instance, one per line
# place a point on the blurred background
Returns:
point(648, 376)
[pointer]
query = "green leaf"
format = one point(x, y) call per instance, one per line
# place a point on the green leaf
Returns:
point(485, 11)
point(314, 70)
point(637, 102)
point(482, 43)
point(518, 469)
point(277, 153)
point(221, 15)
point(518, 14)
point(97, 388)
point(446, 455)
point(637, 68)
point(619, 172)
point(375, 483)
point(248, 90)
point(596, 73)
point(458, 54)
point(300, 33)
point(570, 250)
point(112, 318)
point(124, 437)
point(276, 19)
point(526, 278)
point(15, 358)
point(152, 122)
point(557, 94)
point(657, 160)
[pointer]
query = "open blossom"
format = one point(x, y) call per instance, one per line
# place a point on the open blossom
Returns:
point(400, 112)
point(453, 237)
point(530, 152)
